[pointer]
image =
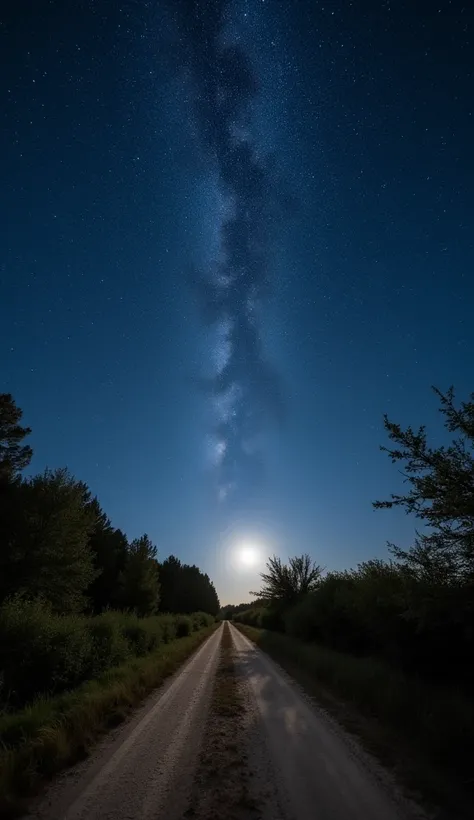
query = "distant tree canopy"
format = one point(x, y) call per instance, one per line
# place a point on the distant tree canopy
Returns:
point(229, 610)
point(58, 545)
point(186, 589)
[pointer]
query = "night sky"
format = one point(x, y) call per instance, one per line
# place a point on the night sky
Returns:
point(233, 236)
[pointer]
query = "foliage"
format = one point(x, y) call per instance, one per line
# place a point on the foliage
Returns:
point(228, 611)
point(418, 607)
point(58, 545)
point(185, 588)
point(287, 583)
point(141, 585)
point(262, 617)
point(14, 455)
point(441, 494)
point(109, 549)
point(357, 610)
point(45, 653)
point(45, 541)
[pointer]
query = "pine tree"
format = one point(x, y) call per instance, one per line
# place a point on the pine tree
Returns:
point(45, 551)
point(14, 456)
point(141, 584)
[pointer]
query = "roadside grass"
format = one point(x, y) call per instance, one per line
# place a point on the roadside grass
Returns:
point(53, 732)
point(422, 732)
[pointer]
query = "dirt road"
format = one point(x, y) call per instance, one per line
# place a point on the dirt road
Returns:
point(146, 769)
point(319, 772)
point(299, 766)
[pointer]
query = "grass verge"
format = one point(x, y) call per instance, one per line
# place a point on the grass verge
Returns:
point(221, 788)
point(52, 733)
point(422, 732)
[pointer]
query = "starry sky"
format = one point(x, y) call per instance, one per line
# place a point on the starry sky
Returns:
point(234, 235)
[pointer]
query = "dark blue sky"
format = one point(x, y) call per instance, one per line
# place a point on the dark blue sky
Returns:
point(300, 173)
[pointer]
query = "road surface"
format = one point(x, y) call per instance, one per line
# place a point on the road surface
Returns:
point(146, 769)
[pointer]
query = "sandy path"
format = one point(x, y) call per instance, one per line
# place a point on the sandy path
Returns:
point(319, 773)
point(145, 769)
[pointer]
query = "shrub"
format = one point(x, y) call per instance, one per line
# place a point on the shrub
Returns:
point(110, 647)
point(168, 624)
point(183, 626)
point(45, 654)
point(201, 619)
point(41, 652)
point(138, 634)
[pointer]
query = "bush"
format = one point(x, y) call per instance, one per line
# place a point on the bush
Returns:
point(109, 645)
point(168, 625)
point(184, 626)
point(201, 619)
point(261, 617)
point(46, 654)
point(137, 635)
point(41, 652)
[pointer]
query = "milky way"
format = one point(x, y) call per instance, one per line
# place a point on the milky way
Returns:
point(244, 389)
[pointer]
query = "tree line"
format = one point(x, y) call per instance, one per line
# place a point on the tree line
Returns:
point(416, 608)
point(58, 545)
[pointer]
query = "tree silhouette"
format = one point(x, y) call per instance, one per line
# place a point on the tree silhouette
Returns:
point(286, 583)
point(46, 543)
point(141, 585)
point(57, 544)
point(109, 548)
point(14, 456)
point(441, 493)
point(185, 588)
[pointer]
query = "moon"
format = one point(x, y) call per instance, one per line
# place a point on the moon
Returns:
point(247, 555)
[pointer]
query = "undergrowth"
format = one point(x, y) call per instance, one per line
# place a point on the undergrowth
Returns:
point(44, 653)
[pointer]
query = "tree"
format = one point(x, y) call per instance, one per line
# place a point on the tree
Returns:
point(170, 575)
point(45, 545)
point(14, 456)
point(185, 588)
point(438, 569)
point(141, 585)
point(286, 583)
point(229, 610)
point(441, 494)
point(109, 548)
